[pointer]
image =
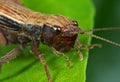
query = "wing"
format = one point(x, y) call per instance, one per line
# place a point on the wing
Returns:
point(9, 24)
point(13, 15)
point(18, 2)
point(10, 9)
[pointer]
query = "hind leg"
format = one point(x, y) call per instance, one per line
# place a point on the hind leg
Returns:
point(12, 54)
point(3, 40)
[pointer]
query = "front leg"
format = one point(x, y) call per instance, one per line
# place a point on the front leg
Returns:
point(36, 51)
point(84, 47)
point(62, 54)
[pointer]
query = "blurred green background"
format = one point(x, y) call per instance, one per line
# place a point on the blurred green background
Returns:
point(104, 63)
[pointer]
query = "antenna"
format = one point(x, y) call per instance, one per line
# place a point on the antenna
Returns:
point(98, 37)
point(103, 39)
point(103, 29)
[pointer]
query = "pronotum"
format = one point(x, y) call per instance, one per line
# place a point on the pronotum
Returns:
point(19, 25)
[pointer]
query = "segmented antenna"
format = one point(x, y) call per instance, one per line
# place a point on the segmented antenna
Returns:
point(103, 39)
point(103, 29)
point(98, 37)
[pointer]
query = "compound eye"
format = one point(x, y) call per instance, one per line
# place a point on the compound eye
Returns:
point(57, 29)
point(75, 23)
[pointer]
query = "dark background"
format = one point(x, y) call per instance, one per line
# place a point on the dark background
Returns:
point(104, 63)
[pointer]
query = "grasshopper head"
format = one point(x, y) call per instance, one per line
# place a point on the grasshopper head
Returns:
point(60, 32)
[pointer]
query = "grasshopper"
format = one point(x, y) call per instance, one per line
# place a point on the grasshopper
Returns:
point(20, 25)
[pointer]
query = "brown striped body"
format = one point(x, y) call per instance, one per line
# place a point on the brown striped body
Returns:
point(19, 25)
point(19, 20)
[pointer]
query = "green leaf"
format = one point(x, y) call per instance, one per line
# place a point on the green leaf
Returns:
point(27, 68)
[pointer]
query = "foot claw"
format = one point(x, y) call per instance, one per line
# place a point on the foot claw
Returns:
point(50, 80)
point(95, 45)
point(68, 63)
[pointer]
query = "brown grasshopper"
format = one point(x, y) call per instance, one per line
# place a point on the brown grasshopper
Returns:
point(19, 25)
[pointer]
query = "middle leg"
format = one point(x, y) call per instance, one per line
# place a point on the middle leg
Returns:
point(36, 51)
